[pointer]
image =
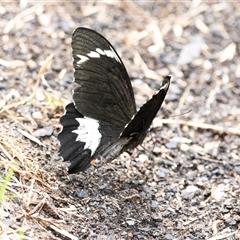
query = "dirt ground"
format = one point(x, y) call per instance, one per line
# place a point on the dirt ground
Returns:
point(183, 183)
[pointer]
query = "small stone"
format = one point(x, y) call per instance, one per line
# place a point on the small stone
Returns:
point(130, 235)
point(160, 174)
point(168, 237)
point(82, 194)
point(130, 222)
point(40, 96)
point(172, 145)
point(103, 186)
point(207, 65)
point(184, 147)
point(37, 115)
point(190, 192)
point(154, 204)
point(143, 157)
point(44, 19)
point(42, 132)
point(8, 222)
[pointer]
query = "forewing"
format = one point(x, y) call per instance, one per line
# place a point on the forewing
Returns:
point(104, 92)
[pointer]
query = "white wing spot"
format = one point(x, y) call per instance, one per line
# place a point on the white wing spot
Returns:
point(100, 51)
point(109, 53)
point(88, 132)
point(112, 54)
point(82, 59)
point(94, 54)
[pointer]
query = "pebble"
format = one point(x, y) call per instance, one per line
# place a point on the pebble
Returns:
point(37, 115)
point(184, 147)
point(172, 145)
point(168, 236)
point(130, 222)
point(190, 192)
point(154, 204)
point(82, 194)
point(40, 95)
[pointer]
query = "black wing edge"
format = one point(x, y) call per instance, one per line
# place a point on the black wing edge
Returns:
point(70, 149)
point(140, 123)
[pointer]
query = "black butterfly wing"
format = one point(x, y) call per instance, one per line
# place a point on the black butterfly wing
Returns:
point(137, 128)
point(105, 92)
point(103, 102)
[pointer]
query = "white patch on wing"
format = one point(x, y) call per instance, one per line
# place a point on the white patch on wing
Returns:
point(94, 54)
point(109, 53)
point(82, 59)
point(100, 51)
point(88, 132)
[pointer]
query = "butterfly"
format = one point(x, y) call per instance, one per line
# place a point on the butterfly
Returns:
point(102, 121)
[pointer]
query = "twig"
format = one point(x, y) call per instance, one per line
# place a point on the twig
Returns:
point(184, 97)
point(212, 95)
point(48, 222)
point(31, 137)
point(181, 102)
point(6, 153)
point(178, 197)
point(218, 129)
point(130, 197)
point(194, 219)
point(38, 207)
point(63, 232)
point(215, 226)
point(148, 73)
point(209, 159)
point(24, 16)
point(223, 235)
point(113, 201)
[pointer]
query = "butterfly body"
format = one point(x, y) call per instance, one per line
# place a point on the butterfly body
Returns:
point(102, 121)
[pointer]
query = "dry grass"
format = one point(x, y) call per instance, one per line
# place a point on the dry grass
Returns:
point(26, 199)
